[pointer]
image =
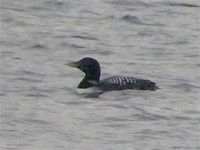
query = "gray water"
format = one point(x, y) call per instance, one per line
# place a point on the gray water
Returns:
point(156, 40)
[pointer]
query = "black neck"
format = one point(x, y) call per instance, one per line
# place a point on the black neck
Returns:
point(89, 81)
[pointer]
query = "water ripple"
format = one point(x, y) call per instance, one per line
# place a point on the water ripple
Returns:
point(132, 19)
point(84, 37)
point(183, 4)
point(29, 80)
point(38, 46)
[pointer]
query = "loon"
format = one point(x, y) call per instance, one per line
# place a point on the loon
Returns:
point(92, 71)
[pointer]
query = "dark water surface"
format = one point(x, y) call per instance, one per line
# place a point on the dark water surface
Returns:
point(156, 40)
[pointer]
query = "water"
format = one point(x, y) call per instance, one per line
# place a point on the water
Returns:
point(156, 40)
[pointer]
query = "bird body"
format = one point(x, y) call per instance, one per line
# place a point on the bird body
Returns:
point(91, 81)
point(126, 82)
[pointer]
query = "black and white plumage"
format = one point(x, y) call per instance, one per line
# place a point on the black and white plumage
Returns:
point(92, 71)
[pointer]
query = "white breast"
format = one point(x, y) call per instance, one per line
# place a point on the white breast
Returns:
point(92, 90)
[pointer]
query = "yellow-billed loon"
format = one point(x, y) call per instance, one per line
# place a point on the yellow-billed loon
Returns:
point(92, 71)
